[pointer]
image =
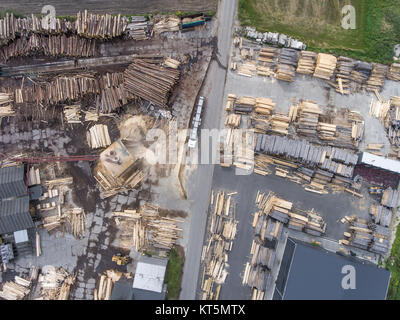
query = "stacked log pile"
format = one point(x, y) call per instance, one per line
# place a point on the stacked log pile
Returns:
point(325, 66)
point(377, 77)
point(268, 56)
point(307, 62)
point(394, 72)
point(287, 65)
point(15, 290)
point(308, 154)
point(98, 136)
point(244, 105)
point(390, 198)
point(55, 283)
point(381, 215)
point(344, 68)
point(308, 118)
point(168, 24)
point(221, 235)
point(367, 236)
point(147, 229)
point(106, 284)
point(139, 28)
point(150, 81)
point(100, 26)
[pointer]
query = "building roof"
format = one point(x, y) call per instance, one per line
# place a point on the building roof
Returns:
point(312, 273)
point(150, 273)
point(122, 290)
point(380, 162)
point(14, 215)
point(12, 182)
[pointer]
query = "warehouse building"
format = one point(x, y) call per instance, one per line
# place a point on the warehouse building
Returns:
point(311, 273)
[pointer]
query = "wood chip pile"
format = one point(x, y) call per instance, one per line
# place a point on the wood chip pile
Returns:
point(150, 81)
point(221, 234)
point(146, 228)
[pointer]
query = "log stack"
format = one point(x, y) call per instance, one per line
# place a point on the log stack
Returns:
point(308, 118)
point(168, 24)
point(287, 65)
point(377, 77)
point(100, 26)
point(307, 62)
point(390, 198)
point(394, 72)
point(325, 66)
point(150, 81)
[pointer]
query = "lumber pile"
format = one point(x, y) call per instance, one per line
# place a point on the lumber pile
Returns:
point(171, 63)
point(168, 24)
point(377, 77)
point(221, 234)
point(308, 116)
point(244, 105)
point(233, 120)
point(55, 283)
point(326, 131)
point(325, 66)
point(15, 290)
point(247, 69)
point(71, 220)
point(367, 236)
point(381, 215)
point(307, 62)
point(394, 72)
point(100, 26)
point(139, 28)
point(33, 176)
point(390, 198)
point(106, 284)
point(268, 56)
point(98, 136)
point(72, 113)
point(279, 123)
point(150, 81)
point(264, 106)
point(361, 72)
point(265, 71)
point(379, 109)
point(230, 102)
point(146, 228)
point(392, 121)
point(287, 65)
point(344, 68)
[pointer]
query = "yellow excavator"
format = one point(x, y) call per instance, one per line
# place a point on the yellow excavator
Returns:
point(120, 259)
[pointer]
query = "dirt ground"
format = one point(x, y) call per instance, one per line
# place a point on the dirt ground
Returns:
point(101, 6)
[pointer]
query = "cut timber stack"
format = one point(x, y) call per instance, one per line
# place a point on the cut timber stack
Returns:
point(244, 105)
point(138, 29)
point(377, 77)
point(98, 136)
point(381, 215)
point(390, 198)
point(325, 66)
point(150, 81)
point(279, 123)
point(308, 118)
point(106, 284)
point(233, 120)
point(264, 106)
point(247, 69)
point(55, 283)
point(307, 62)
point(72, 113)
point(344, 68)
point(100, 26)
point(361, 72)
point(221, 235)
point(268, 56)
point(230, 102)
point(6, 109)
point(169, 24)
point(379, 109)
point(394, 72)
point(287, 65)
point(171, 63)
point(326, 131)
point(14, 290)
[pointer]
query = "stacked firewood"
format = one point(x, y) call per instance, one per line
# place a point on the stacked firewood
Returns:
point(150, 81)
point(222, 232)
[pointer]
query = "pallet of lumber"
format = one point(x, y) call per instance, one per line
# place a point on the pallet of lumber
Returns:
point(247, 69)
point(377, 77)
point(381, 215)
point(168, 24)
point(233, 120)
point(307, 62)
point(325, 66)
point(286, 69)
point(98, 136)
point(390, 198)
point(100, 26)
point(394, 72)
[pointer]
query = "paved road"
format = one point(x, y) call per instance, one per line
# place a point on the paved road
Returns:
point(199, 191)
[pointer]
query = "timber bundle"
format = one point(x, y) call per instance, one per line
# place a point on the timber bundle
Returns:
point(381, 215)
point(55, 283)
point(87, 25)
point(307, 61)
point(222, 232)
point(6, 108)
point(98, 136)
point(389, 114)
point(150, 81)
point(15, 290)
point(53, 45)
point(139, 28)
point(325, 66)
point(394, 72)
point(146, 228)
point(168, 24)
point(106, 284)
point(367, 235)
point(334, 160)
point(390, 198)
point(72, 220)
point(287, 65)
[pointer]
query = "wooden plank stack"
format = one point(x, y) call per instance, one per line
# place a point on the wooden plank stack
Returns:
point(244, 105)
point(325, 66)
point(150, 81)
point(307, 122)
point(394, 72)
point(287, 65)
point(221, 235)
point(264, 106)
point(268, 56)
point(390, 198)
point(326, 131)
point(307, 62)
point(15, 290)
point(72, 113)
point(381, 215)
point(168, 24)
point(247, 69)
point(98, 136)
point(55, 283)
point(377, 77)
point(233, 120)
point(279, 123)
point(139, 28)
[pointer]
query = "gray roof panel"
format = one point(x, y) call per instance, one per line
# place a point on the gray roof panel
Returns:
point(14, 215)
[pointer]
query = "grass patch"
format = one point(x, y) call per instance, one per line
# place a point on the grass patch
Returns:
point(393, 264)
point(173, 274)
point(15, 13)
point(318, 24)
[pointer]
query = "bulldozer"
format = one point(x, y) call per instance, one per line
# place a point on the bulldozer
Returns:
point(120, 259)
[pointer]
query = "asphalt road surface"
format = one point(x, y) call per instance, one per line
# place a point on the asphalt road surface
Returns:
point(200, 190)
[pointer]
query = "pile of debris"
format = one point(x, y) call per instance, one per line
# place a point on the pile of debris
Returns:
point(55, 283)
point(150, 81)
point(15, 290)
point(146, 228)
point(222, 232)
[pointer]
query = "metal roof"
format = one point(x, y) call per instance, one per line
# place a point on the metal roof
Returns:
point(380, 162)
point(150, 274)
point(12, 182)
point(312, 273)
point(14, 215)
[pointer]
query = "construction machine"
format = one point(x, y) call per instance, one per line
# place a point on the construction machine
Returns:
point(120, 259)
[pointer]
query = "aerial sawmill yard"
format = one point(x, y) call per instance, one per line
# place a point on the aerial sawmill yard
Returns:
point(199, 150)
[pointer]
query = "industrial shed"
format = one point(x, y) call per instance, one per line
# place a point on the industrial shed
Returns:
point(312, 273)
point(379, 162)
point(12, 182)
point(14, 215)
